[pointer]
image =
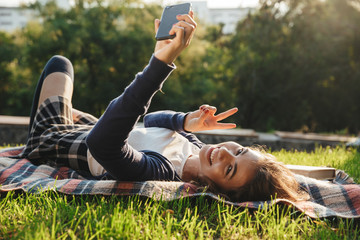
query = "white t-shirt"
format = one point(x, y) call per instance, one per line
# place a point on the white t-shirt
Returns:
point(175, 147)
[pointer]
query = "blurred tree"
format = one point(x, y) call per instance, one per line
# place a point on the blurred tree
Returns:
point(267, 93)
point(330, 33)
point(295, 65)
point(7, 55)
point(106, 43)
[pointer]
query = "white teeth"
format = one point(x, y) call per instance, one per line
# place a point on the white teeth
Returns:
point(212, 156)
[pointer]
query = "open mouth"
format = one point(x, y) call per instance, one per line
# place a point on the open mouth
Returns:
point(210, 155)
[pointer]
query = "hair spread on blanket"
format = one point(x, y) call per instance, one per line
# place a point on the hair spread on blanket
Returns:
point(272, 180)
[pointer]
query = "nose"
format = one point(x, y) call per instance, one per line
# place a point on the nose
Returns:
point(225, 155)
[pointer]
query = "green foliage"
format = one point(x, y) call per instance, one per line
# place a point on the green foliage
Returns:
point(297, 63)
point(106, 44)
point(9, 83)
point(6, 56)
point(291, 65)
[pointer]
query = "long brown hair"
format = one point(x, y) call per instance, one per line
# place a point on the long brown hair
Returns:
point(271, 180)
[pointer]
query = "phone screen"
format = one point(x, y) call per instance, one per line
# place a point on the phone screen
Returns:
point(168, 19)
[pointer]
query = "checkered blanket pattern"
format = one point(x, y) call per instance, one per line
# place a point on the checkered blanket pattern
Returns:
point(339, 198)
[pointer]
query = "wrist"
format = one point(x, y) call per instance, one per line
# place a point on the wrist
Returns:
point(165, 59)
point(167, 54)
point(186, 122)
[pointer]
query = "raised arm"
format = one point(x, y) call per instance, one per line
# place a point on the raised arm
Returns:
point(107, 141)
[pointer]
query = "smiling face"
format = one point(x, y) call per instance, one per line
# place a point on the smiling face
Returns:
point(229, 165)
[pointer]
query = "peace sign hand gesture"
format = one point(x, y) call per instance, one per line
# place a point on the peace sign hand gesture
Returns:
point(205, 119)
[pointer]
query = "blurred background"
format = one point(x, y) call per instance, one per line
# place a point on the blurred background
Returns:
point(287, 65)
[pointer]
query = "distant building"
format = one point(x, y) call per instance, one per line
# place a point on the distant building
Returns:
point(13, 16)
point(227, 16)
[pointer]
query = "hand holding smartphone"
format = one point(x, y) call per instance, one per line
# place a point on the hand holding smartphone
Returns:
point(168, 19)
point(181, 29)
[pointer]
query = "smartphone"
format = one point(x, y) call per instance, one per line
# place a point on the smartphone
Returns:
point(168, 19)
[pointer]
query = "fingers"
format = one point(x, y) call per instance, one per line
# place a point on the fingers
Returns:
point(187, 18)
point(190, 25)
point(208, 119)
point(206, 112)
point(187, 29)
point(226, 114)
point(225, 125)
point(191, 13)
point(156, 25)
point(220, 116)
point(207, 108)
point(187, 25)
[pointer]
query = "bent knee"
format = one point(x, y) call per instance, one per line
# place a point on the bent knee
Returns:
point(56, 84)
point(61, 64)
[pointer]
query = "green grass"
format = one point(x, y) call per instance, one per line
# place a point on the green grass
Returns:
point(56, 216)
point(339, 158)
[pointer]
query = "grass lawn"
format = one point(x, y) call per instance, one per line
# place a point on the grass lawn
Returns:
point(57, 216)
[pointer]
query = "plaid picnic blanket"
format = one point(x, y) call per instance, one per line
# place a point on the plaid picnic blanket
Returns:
point(339, 198)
